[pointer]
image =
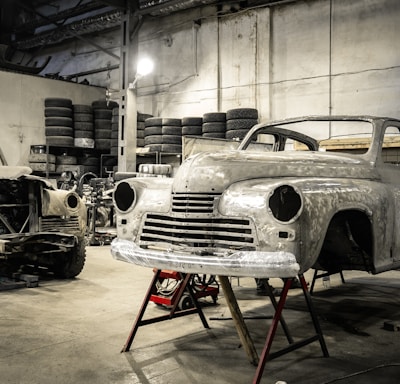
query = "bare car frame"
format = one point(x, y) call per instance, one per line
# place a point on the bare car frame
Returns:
point(39, 224)
point(320, 192)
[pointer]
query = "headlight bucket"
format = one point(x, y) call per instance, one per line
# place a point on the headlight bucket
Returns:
point(124, 196)
point(285, 203)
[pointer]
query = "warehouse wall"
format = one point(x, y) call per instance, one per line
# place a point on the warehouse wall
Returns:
point(308, 57)
point(22, 108)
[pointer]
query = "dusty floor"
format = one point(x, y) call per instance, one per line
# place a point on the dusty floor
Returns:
point(73, 331)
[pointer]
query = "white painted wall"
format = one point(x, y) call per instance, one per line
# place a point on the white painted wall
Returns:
point(22, 110)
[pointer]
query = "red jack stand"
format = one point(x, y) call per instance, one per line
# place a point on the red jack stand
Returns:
point(174, 312)
point(266, 355)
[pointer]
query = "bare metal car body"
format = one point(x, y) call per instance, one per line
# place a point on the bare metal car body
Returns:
point(274, 207)
point(40, 225)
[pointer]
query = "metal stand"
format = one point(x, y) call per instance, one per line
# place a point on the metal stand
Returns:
point(322, 275)
point(174, 312)
point(266, 355)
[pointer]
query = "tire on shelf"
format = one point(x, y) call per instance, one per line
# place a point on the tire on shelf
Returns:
point(240, 124)
point(102, 124)
point(66, 160)
point(82, 108)
point(171, 121)
point(171, 130)
point(214, 117)
point(171, 148)
point(104, 104)
point(192, 130)
point(153, 130)
point(172, 139)
point(102, 114)
point(83, 126)
point(140, 142)
point(114, 135)
point(192, 121)
point(58, 121)
point(153, 147)
point(102, 144)
point(153, 139)
point(57, 112)
point(242, 113)
point(214, 127)
point(102, 134)
point(58, 131)
point(83, 117)
point(78, 134)
point(42, 167)
point(60, 141)
point(57, 102)
point(153, 121)
point(216, 135)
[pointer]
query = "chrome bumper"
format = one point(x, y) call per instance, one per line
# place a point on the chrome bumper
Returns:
point(240, 263)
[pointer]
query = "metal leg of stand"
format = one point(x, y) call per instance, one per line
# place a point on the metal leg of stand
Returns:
point(266, 355)
point(139, 321)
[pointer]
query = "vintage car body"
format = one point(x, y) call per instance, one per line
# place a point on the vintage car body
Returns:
point(40, 225)
point(272, 208)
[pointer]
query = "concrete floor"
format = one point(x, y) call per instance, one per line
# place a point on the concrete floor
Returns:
point(72, 332)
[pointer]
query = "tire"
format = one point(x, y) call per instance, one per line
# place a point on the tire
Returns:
point(143, 116)
point(140, 134)
point(114, 151)
point(82, 126)
point(114, 119)
point(83, 134)
point(214, 127)
point(214, 117)
point(82, 108)
point(153, 139)
point(102, 124)
point(57, 112)
point(58, 121)
point(102, 144)
point(60, 141)
point(59, 131)
point(171, 148)
point(194, 130)
point(172, 139)
point(192, 121)
point(236, 134)
point(115, 111)
point(153, 121)
point(71, 265)
point(150, 131)
point(83, 117)
point(141, 125)
point(83, 142)
point(215, 135)
point(140, 142)
point(57, 102)
point(114, 135)
point(102, 114)
point(102, 134)
point(240, 124)
point(242, 113)
point(185, 302)
point(171, 121)
point(171, 130)
point(104, 104)
point(153, 147)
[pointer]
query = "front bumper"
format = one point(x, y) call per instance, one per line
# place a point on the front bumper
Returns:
point(239, 263)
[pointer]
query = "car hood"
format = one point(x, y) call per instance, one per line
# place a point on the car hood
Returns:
point(213, 172)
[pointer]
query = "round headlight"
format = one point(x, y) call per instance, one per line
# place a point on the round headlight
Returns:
point(72, 200)
point(124, 196)
point(285, 203)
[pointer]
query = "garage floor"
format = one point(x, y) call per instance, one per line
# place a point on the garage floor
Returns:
point(73, 331)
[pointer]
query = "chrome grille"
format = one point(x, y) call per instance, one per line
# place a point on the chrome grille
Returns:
point(57, 224)
point(193, 202)
point(196, 232)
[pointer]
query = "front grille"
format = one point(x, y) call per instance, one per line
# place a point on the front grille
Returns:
point(58, 224)
point(193, 202)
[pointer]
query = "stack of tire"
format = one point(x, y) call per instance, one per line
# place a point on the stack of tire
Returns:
point(141, 125)
point(214, 125)
point(59, 129)
point(192, 126)
point(83, 126)
point(171, 136)
point(163, 135)
point(102, 114)
point(239, 121)
point(114, 131)
point(65, 163)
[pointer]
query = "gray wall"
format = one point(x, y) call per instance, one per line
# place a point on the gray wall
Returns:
point(306, 57)
point(22, 110)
